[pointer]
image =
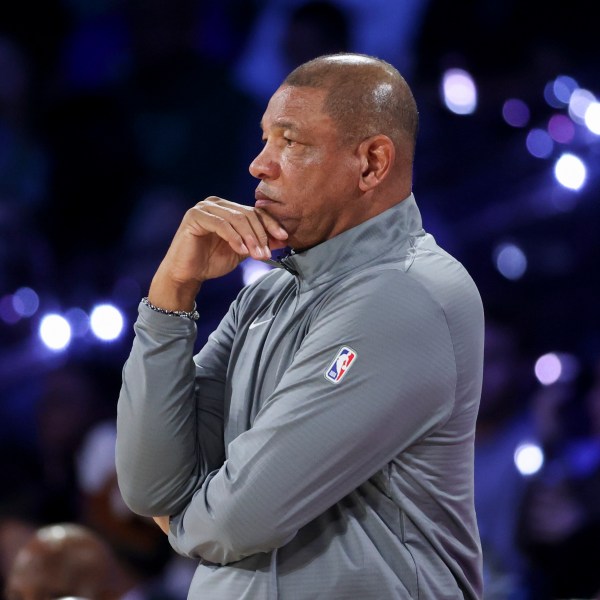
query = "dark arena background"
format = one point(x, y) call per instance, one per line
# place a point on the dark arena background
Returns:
point(117, 115)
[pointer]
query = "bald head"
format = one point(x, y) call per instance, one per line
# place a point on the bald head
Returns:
point(366, 96)
point(63, 560)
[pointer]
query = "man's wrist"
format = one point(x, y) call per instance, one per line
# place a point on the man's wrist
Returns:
point(186, 314)
point(173, 296)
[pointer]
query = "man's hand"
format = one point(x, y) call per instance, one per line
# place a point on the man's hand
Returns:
point(213, 238)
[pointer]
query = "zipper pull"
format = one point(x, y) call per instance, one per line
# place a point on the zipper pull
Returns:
point(281, 262)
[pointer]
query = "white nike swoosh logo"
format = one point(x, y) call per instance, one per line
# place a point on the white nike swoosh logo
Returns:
point(257, 323)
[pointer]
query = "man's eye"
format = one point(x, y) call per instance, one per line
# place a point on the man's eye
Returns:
point(289, 142)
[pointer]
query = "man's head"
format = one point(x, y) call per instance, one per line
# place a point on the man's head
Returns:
point(339, 139)
point(365, 96)
point(63, 560)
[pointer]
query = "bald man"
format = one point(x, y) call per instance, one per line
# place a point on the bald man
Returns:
point(320, 445)
point(65, 560)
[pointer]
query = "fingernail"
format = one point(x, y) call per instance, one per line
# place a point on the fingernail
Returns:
point(259, 251)
point(282, 231)
point(245, 249)
point(267, 251)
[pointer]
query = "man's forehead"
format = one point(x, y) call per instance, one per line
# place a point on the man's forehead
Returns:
point(291, 106)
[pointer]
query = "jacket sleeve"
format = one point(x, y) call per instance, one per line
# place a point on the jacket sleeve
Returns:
point(315, 441)
point(170, 412)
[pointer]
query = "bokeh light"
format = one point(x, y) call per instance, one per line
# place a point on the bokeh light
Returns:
point(510, 261)
point(253, 270)
point(79, 321)
point(539, 143)
point(548, 368)
point(26, 302)
point(557, 366)
point(570, 171)
point(55, 332)
point(529, 458)
point(563, 87)
point(561, 129)
point(592, 117)
point(550, 96)
point(579, 103)
point(106, 322)
point(515, 112)
point(459, 92)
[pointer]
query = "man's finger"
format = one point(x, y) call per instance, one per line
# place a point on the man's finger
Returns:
point(231, 225)
point(245, 215)
point(272, 226)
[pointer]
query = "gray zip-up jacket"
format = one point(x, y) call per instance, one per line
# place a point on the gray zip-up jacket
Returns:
point(320, 445)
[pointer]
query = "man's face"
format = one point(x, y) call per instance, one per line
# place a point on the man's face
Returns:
point(309, 177)
point(34, 578)
point(42, 572)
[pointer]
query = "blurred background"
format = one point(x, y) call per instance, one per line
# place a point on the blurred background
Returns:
point(117, 115)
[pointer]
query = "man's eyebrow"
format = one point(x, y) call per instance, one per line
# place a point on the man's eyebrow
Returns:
point(281, 124)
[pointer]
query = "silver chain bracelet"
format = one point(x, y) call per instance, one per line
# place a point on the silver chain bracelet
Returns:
point(193, 315)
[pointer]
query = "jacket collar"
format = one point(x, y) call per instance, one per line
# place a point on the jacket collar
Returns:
point(380, 235)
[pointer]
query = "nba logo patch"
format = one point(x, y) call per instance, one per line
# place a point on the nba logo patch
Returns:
point(340, 365)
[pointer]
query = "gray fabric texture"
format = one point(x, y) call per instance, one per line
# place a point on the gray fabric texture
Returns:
point(286, 485)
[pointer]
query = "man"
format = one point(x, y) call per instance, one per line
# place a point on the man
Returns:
point(63, 560)
point(286, 476)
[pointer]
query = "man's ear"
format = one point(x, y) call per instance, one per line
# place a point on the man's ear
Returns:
point(377, 154)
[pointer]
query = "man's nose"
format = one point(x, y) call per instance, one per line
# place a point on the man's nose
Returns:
point(264, 166)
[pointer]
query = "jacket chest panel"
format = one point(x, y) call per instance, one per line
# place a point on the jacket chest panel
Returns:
point(264, 349)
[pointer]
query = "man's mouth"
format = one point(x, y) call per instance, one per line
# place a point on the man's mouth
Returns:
point(262, 200)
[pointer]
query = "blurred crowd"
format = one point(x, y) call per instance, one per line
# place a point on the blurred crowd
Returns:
point(539, 527)
point(116, 116)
